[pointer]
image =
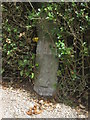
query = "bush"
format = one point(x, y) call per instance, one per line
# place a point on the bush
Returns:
point(72, 43)
point(18, 48)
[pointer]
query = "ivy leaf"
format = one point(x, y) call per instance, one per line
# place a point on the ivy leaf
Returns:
point(50, 8)
point(15, 30)
point(8, 53)
point(27, 73)
point(32, 75)
point(21, 72)
point(36, 64)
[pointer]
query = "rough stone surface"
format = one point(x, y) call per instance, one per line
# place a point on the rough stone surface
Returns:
point(46, 76)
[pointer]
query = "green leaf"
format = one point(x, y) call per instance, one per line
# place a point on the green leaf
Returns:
point(33, 56)
point(21, 73)
point(30, 17)
point(9, 29)
point(2, 70)
point(8, 53)
point(20, 62)
point(36, 64)
point(32, 75)
point(50, 8)
point(27, 73)
point(25, 61)
point(0, 39)
point(15, 30)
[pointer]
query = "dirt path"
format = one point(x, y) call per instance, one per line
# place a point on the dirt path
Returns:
point(20, 103)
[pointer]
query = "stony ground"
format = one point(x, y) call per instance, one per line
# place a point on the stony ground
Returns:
point(21, 102)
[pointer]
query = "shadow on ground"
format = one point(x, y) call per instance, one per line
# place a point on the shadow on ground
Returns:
point(25, 85)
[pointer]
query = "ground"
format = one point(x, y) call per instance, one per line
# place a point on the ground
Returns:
point(20, 101)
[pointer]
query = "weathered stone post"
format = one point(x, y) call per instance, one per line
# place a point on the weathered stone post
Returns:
point(46, 76)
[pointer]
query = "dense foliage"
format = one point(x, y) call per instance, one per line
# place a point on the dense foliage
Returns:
point(18, 47)
point(72, 43)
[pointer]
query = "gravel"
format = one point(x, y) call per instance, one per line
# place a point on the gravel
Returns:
point(16, 102)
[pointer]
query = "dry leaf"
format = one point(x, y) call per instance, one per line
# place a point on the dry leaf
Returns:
point(43, 106)
point(35, 107)
point(41, 102)
point(37, 112)
point(8, 40)
point(4, 88)
point(46, 104)
point(34, 110)
point(29, 112)
point(22, 34)
point(50, 104)
point(35, 39)
point(81, 106)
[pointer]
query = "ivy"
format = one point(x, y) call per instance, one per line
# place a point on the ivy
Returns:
point(20, 38)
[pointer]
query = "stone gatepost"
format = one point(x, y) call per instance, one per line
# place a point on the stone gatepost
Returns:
point(46, 74)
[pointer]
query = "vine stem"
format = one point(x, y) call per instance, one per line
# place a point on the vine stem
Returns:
point(82, 61)
point(31, 5)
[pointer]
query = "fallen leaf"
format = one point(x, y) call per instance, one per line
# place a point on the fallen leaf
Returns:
point(37, 112)
point(29, 112)
point(35, 39)
point(4, 88)
point(22, 34)
point(46, 104)
point(50, 104)
point(35, 107)
point(31, 105)
point(81, 106)
point(43, 106)
point(8, 40)
point(41, 102)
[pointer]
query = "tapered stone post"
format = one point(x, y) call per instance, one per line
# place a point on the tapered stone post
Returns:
point(46, 74)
